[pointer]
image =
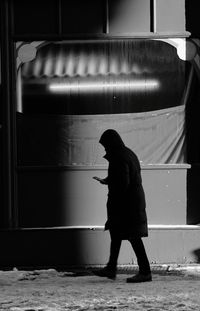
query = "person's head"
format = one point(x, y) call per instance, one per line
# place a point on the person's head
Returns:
point(111, 140)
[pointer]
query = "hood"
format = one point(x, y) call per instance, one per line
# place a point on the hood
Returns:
point(111, 140)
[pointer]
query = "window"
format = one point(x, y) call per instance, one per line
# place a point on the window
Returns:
point(105, 77)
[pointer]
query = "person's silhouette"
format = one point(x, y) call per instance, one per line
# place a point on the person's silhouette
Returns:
point(126, 206)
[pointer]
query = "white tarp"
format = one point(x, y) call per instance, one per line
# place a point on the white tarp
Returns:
point(157, 137)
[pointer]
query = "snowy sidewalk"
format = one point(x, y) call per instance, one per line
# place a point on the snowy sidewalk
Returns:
point(174, 287)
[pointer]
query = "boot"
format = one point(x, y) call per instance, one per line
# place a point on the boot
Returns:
point(107, 272)
point(138, 278)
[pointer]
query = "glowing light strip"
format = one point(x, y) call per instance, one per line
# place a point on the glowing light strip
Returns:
point(97, 86)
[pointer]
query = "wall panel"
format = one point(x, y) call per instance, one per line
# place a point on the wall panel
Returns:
point(82, 16)
point(129, 16)
point(170, 16)
point(35, 17)
point(114, 17)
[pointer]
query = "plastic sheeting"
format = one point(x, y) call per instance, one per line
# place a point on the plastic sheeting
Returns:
point(156, 137)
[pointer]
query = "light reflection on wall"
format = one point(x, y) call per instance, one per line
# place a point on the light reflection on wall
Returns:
point(138, 85)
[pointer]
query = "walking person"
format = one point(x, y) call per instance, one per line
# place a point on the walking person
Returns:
point(126, 207)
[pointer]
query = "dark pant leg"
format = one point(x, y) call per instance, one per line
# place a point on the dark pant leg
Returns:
point(142, 259)
point(114, 250)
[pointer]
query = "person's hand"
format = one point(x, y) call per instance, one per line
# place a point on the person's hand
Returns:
point(101, 180)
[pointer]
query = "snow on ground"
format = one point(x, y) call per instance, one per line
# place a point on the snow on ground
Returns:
point(50, 290)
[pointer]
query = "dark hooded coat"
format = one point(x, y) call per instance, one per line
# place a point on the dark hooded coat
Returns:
point(126, 206)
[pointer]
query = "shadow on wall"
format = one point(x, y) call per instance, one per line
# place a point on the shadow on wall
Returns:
point(196, 254)
point(41, 201)
point(51, 248)
point(193, 195)
point(193, 153)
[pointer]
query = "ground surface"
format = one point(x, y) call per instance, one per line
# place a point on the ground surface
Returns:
point(49, 290)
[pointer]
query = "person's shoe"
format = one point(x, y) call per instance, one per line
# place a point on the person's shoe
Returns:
point(106, 272)
point(139, 278)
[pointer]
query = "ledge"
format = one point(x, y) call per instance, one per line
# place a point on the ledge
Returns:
point(165, 166)
point(102, 36)
point(98, 167)
point(101, 228)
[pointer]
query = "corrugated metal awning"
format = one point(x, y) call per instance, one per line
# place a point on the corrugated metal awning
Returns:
point(100, 58)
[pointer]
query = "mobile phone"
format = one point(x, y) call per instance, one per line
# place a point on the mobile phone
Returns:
point(97, 178)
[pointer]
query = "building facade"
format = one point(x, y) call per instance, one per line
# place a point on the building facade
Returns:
point(70, 70)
